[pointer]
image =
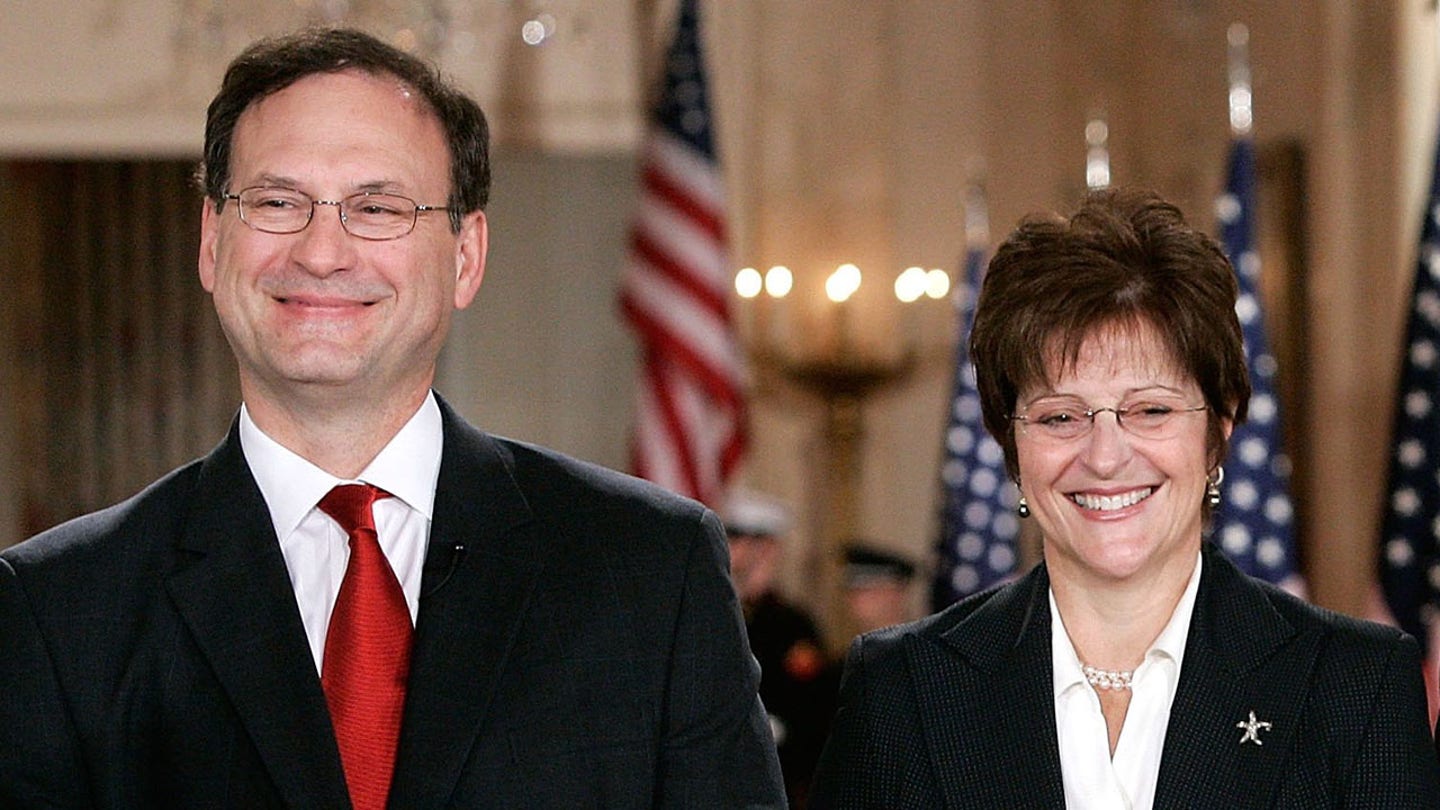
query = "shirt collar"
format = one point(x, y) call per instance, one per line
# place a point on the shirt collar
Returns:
point(407, 467)
point(1065, 663)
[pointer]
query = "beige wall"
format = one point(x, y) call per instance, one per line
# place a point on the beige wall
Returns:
point(849, 131)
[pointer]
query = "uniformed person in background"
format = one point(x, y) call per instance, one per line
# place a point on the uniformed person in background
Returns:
point(877, 587)
point(798, 683)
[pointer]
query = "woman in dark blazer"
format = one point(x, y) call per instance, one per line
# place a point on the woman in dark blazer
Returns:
point(1135, 667)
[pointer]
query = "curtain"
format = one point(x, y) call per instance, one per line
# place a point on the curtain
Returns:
point(115, 368)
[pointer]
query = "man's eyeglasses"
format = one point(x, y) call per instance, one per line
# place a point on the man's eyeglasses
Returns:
point(1064, 420)
point(367, 215)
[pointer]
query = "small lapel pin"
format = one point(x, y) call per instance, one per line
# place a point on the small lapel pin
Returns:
point(1252, 727)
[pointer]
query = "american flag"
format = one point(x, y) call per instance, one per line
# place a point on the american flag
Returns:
point(978, 524)
point(1255, 522)
point(690, 418)
point(1409, 554)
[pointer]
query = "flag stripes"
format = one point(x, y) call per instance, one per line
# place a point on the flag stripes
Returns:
point(690, 414)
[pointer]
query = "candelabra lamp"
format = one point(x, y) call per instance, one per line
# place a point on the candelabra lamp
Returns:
point(834, 358)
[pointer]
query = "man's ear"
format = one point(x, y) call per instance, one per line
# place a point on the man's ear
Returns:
point(209, 227)
point(470, 249)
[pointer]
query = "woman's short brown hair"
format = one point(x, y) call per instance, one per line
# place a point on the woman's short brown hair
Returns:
point(1127, 260)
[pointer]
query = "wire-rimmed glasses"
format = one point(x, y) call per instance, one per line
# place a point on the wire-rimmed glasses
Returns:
point(372, 215)
point(1059, 420)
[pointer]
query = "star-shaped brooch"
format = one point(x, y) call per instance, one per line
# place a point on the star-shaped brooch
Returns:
point(1252, 727)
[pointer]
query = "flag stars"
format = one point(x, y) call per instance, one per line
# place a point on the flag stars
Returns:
point(990, 452)
point(1428, 305)
point(1399, 553)
point(1433, 574)
point(1411, 453)
point(1417, 404)
point(1435, 214)
point(960, 440)
point(1249, 265)
point(983, 483)
point(1006, 526)
point(1246, 308)
point(971, 546)
point(1405, 502)
point(682, 65)
point(694, 122)
point(1271, 552)
point(688, 93)
point(964, 579)
point(977, 515)
point(1252, 450)
point(1236, 540)
point(1279, 510)
point(1227, 208)
point(1432, 260)
point(1243, 494)
point(1422, 353)
point(967, 408)
point(1002, 557)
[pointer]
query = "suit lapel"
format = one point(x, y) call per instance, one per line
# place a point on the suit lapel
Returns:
point(232, 590)
point(470, 611)
point(1241, 657)
point(988, 712)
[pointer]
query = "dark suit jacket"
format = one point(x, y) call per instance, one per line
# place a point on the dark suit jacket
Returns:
point(584, 650)
point(958, 710)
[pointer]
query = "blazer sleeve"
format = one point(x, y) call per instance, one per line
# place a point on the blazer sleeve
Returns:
point(40, 763)
point(1395, 762)
point(718, 750)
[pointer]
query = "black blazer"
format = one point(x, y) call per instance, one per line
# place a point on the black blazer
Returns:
point(585, 649)
point(957, 710)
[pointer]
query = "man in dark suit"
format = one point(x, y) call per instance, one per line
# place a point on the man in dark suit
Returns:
point(358, 597)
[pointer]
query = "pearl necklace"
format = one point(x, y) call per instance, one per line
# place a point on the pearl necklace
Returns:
point(1107, 678)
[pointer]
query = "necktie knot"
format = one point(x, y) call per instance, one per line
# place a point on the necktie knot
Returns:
point(350, 506)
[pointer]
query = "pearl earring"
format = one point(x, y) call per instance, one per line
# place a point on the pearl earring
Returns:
point(1212, 489)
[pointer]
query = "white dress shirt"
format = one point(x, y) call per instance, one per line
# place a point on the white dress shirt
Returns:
point(316, 549)
point(1093, 779)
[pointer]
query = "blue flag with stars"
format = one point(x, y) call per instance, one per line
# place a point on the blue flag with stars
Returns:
point(1255, 521)
point(1409, 555)
point(978, 524)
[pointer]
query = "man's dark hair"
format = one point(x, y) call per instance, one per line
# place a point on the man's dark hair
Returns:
point(270, 65)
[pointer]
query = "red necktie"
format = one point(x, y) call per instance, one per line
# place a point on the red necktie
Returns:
point(367, 652)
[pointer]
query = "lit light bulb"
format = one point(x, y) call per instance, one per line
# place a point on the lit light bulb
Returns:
point(937, 284)
point(843, 283)
point(747, 282)
point(910, 284)
point(779, 281)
